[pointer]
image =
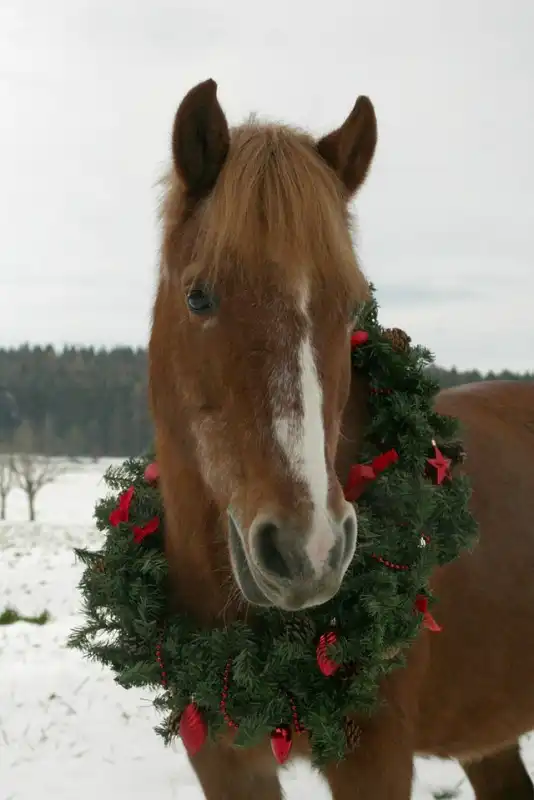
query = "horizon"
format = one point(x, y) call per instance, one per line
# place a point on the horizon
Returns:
point(108, 349)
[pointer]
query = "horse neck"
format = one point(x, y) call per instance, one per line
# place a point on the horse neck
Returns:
point(196, 547)
point(355, 418)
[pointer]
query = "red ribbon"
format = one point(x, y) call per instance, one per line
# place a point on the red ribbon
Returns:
point(121, 513)
point(361, 474)
point(140, 532)
point(421, 605)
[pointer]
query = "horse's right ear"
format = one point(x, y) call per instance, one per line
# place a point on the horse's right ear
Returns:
point(200, 139)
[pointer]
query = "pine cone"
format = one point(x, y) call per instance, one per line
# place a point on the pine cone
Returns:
point(391, 653)
point(98, 565)
point(400, 341)
point(353, 734)
point(455, 451)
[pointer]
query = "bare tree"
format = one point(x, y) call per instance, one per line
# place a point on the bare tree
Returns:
point(7, 481)
point(32, 472)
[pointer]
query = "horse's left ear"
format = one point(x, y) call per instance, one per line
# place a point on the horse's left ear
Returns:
point(349, 150)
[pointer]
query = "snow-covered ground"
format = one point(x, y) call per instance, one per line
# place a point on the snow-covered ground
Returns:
point(66, 729)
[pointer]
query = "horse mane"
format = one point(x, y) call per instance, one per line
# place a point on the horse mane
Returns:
point(275, 199)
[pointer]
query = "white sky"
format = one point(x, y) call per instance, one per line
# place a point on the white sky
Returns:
point(88, 91)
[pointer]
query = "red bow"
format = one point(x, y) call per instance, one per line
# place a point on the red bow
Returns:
point(421, 605)
point(121, 513)
point(361, 474)
point(141, 531)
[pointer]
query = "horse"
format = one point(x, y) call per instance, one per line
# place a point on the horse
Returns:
point(257, 420)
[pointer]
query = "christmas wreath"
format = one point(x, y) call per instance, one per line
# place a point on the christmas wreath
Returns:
point(282, 674)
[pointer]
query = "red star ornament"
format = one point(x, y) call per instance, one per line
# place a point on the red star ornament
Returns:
point(441, 464)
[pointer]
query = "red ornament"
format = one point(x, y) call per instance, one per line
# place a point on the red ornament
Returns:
point(193, 729)
point(358, 338)
point(326, 664)
point(121, 513)
point(421, 605)
point(223, 705)
point(161, 665)
point(141, 531)
point(361, 474)
point(281, 743)
point(152, 472)
point(441, 464)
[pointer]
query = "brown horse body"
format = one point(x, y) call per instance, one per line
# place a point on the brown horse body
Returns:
point(467, 693)
point(242, 490)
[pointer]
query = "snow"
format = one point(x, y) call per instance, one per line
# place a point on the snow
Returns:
point(66, 729)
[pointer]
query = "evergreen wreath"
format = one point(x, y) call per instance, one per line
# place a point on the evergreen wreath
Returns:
point(280, 673)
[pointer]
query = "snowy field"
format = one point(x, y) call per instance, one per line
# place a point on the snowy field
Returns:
point(66, 729)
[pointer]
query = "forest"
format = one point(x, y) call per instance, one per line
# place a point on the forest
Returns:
point(93, 402)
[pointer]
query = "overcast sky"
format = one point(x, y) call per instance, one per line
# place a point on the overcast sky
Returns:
point(88, 91)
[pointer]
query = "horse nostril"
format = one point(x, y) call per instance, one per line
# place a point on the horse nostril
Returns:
point(335, 557)
point(269, 551)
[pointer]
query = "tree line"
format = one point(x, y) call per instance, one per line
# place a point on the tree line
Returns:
point(93, 402)
point(77, 401)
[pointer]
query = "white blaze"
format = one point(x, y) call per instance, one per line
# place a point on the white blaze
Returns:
point(302, 438)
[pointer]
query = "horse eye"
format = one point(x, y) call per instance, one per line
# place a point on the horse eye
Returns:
point(200, 300)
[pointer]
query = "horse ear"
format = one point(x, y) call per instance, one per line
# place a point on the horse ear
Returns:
point(349, 150)
point(200, 139)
